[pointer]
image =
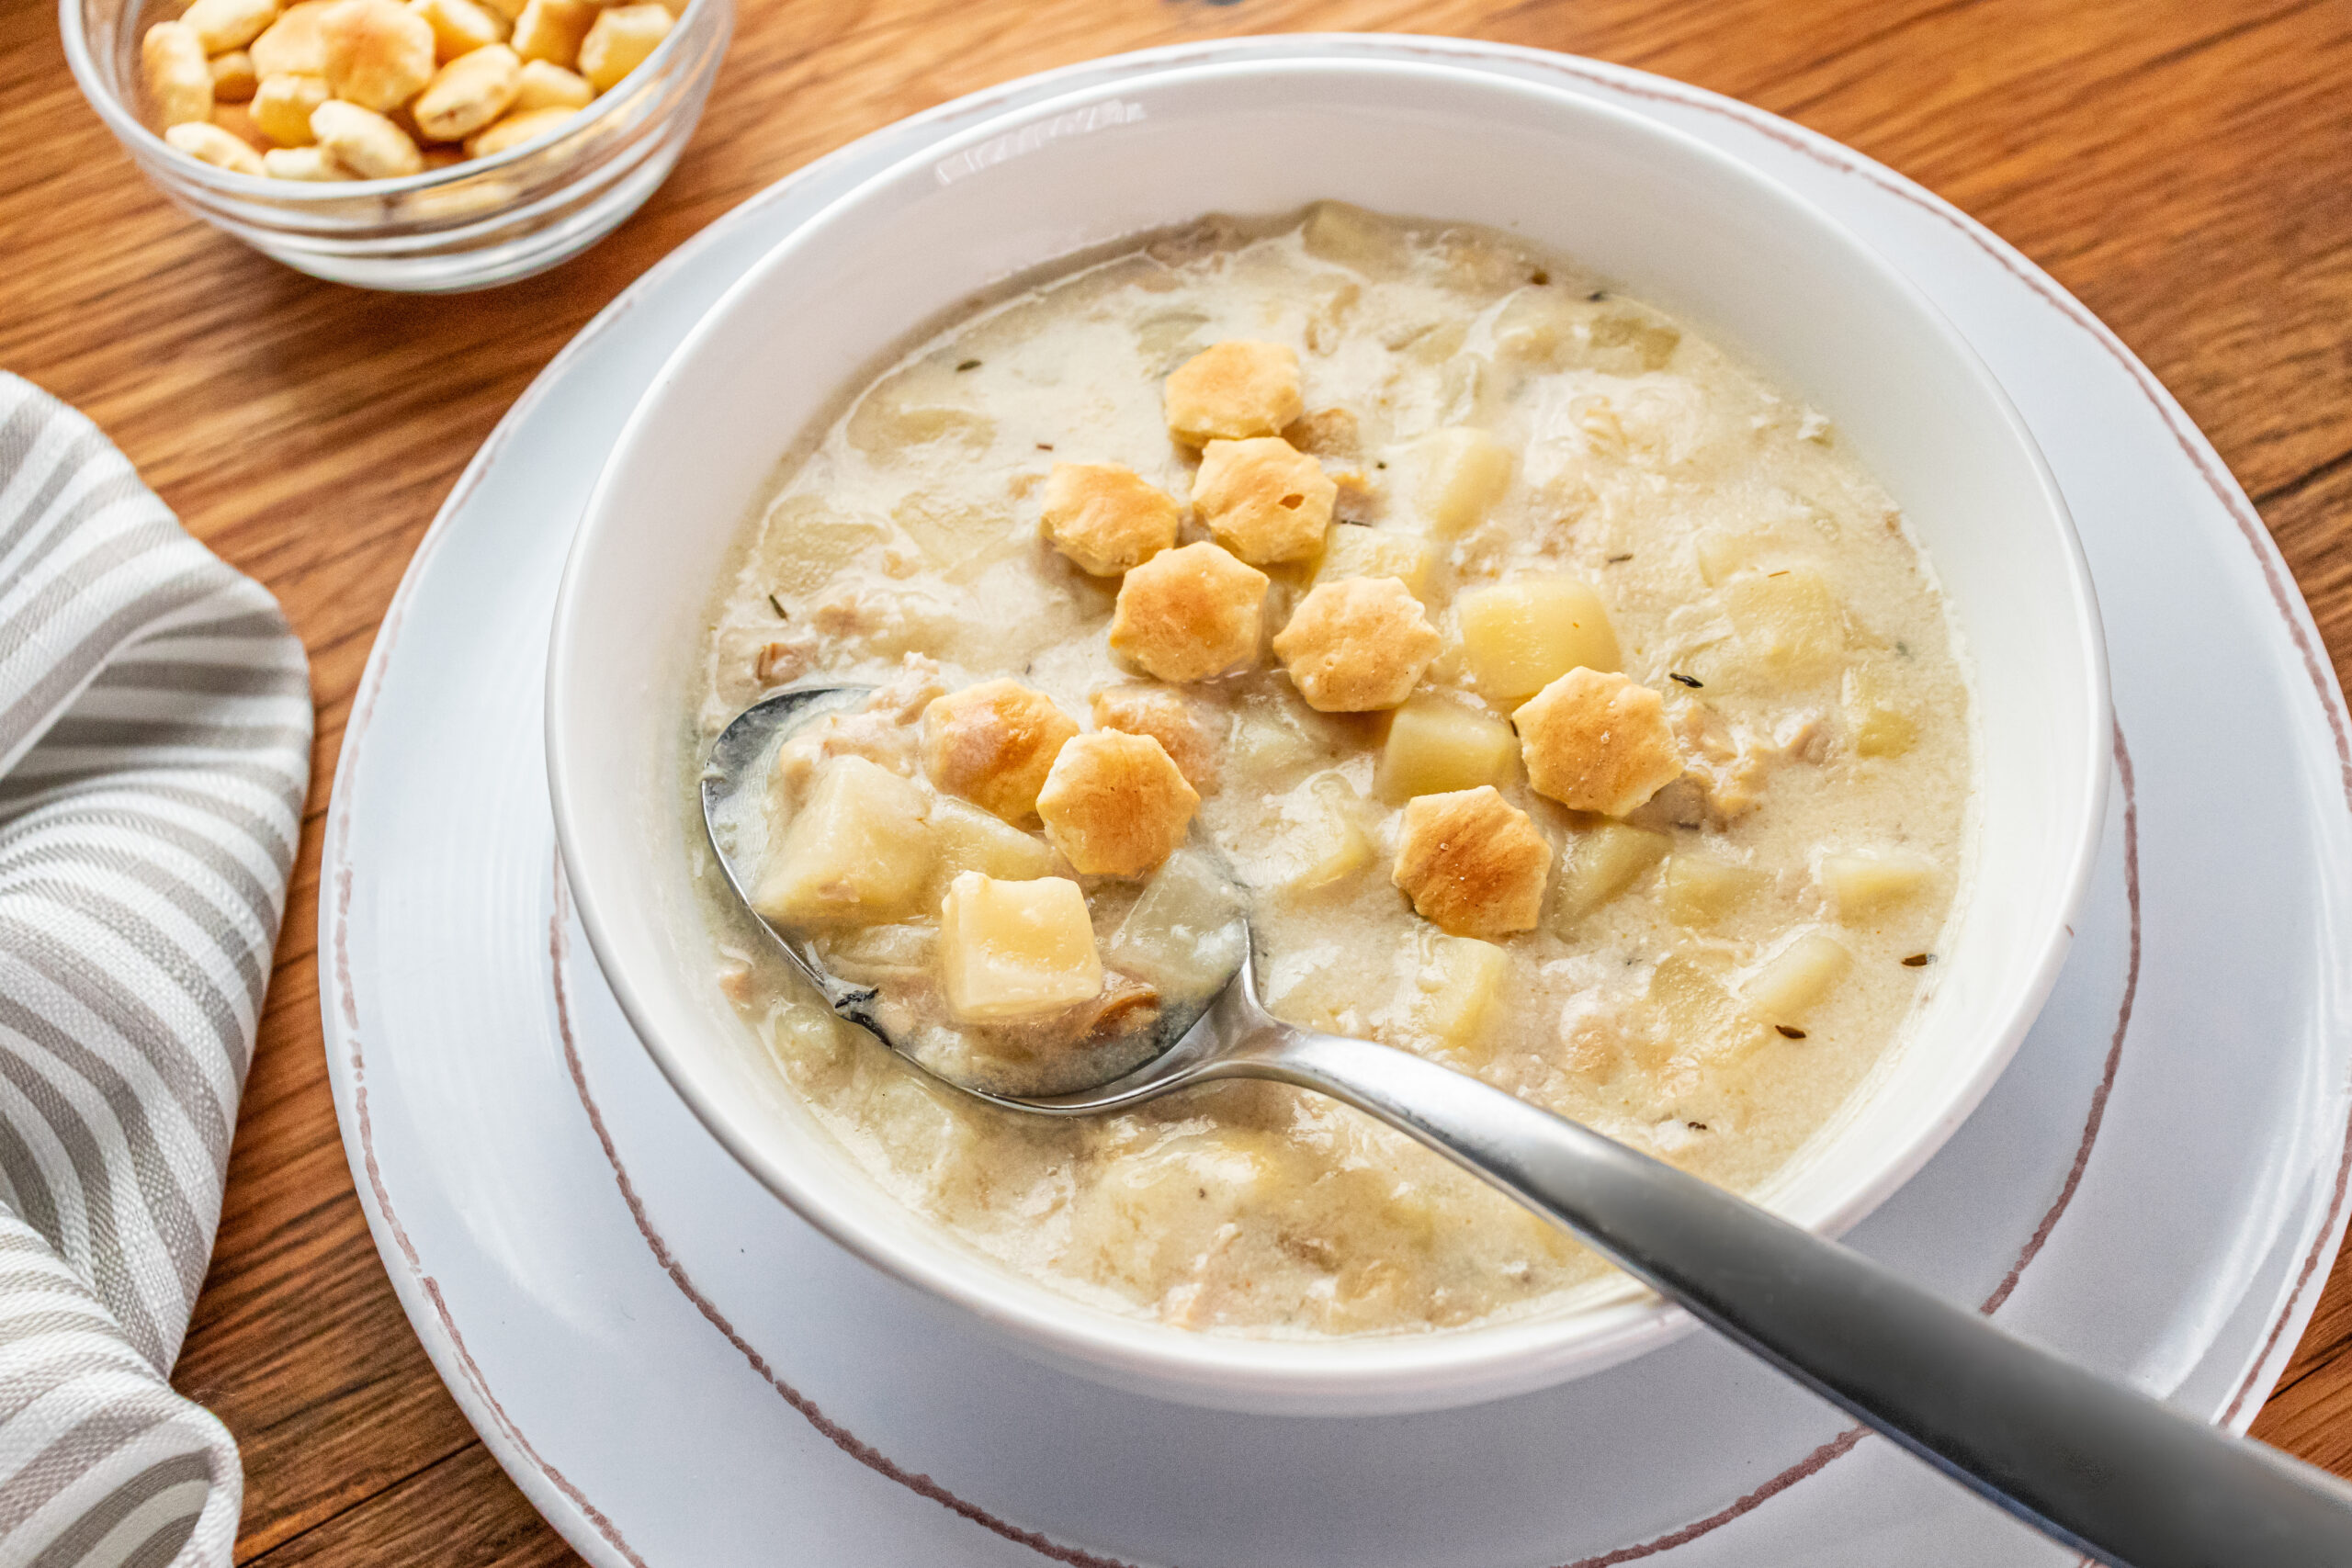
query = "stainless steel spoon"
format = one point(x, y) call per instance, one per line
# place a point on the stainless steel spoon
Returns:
point(2091, 1463)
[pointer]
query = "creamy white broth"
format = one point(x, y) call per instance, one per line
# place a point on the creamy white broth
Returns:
point(1712, 977)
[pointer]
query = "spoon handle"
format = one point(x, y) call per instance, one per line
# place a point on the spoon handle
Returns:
point(2092, 1463)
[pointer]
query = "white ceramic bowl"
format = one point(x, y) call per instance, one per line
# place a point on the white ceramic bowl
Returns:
point(1670, 220)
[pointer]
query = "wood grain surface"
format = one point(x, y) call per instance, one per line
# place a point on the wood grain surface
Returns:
point(2185, 167)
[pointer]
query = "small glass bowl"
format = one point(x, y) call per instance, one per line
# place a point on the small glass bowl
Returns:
point(486, 221)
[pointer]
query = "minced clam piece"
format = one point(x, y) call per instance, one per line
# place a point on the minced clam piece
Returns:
point(1562, 703)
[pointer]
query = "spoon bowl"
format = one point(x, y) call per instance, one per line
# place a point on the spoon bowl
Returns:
point(1183, 1044)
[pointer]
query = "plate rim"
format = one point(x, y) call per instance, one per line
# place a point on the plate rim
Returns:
point(557, 1498)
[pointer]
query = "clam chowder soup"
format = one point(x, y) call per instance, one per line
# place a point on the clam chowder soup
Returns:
point(1561, 702)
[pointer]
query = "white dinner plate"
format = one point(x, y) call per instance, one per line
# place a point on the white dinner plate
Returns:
point(677, 1370)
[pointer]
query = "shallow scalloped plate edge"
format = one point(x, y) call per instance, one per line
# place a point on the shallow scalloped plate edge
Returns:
point(571, 1513)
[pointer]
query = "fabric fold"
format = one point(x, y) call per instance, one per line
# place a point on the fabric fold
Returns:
point(154, 751)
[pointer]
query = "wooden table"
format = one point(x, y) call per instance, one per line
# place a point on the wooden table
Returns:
point(2185, 167)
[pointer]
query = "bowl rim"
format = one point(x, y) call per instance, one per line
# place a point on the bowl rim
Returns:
point(134, 133)
point(1356, 1374)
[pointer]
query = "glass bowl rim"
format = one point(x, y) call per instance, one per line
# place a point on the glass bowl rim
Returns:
point(135, 133)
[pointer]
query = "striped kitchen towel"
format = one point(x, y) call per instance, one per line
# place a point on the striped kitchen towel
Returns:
point(155, 748)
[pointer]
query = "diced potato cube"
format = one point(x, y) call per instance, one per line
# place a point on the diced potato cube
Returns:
point(1875, 719)
point(1700, 891)
point(1464, 472)
point(1597, 865)
point(1720, 553)
point(1357, 646)
point(1435, 745)
point(1269, 743)
point(961, 537)
point(1550, 330)
point(1329, 844)
point(1519, 637)
point(1537, 327)
point(805, 542)
point(1106, 518)
point(922, 1137)
point(1723, 552)
point(1165, 339)
point(817, 1050)
point(992, 744)
point(1264, 499)
point(1182, 933)
point(1627, 340)
point(1115, 804)
point(1483, 262)
point(1884, 732)
point(855, 853)
point(969, 839)
point(1598, 742)
point(1158, 1223)
point(1189, 614)
point(1863, 885)
point(1353, 550)
point(1337, 850)
point(1353, 238)
point(883, 955)
point(1695, 1009)
point(1232, 390)
point(1015, 948)
point(1445, 1001)
point(1789, 620)
point(1788, 984)
point(905, 411)
point(1473, 864)
point(1323, 995)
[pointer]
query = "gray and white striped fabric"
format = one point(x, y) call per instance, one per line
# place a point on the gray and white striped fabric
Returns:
point(155, 749)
